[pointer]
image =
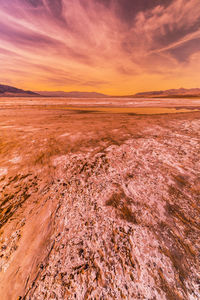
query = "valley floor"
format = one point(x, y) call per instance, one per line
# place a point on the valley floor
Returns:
point(99, 205)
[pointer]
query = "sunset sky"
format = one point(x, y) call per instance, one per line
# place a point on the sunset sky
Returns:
point(109, 46)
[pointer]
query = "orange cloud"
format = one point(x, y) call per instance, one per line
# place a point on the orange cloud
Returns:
point(116, 47)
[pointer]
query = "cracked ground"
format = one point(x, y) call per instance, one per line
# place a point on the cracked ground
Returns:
point(99, 205)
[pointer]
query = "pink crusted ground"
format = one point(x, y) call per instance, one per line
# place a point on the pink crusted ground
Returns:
point(98, 206)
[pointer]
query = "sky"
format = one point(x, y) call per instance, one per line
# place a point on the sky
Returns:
point(110, 46)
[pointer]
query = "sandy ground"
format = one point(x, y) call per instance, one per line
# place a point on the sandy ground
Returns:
point(99, 205)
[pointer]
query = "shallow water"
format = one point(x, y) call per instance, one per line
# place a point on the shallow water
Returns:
point(128, 110)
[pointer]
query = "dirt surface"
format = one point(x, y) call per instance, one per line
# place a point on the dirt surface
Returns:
point(98, 205)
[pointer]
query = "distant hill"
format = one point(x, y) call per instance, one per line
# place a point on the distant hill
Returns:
point(72, 94)
point(176, 93)
point(10, 91)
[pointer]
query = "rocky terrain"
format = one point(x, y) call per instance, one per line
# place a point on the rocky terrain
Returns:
point(99, 205)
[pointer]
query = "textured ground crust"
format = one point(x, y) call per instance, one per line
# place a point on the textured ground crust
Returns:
point(99, 206)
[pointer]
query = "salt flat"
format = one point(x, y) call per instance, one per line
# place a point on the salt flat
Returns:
point(99, 205)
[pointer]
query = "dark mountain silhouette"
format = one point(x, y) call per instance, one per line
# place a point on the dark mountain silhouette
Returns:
point(6, 90)
point(177, 93)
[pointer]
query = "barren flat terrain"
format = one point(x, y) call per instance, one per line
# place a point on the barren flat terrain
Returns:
point(99, 199)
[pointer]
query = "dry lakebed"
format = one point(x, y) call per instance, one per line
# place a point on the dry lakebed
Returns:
point(99, 199)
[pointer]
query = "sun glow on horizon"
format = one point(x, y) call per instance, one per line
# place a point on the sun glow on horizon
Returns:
point(113, 47)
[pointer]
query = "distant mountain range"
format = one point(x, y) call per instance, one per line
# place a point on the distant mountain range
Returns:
point(72, 94)
point(9, 91)
point(176, 93)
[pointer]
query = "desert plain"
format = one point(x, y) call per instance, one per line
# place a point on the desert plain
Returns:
point(99, 199)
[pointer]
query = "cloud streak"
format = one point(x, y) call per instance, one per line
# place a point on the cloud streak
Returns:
point(105, 45)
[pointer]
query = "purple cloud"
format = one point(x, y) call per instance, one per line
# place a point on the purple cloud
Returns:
point(88, 40)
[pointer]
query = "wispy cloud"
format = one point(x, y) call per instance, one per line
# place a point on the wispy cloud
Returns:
point(112, 46)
